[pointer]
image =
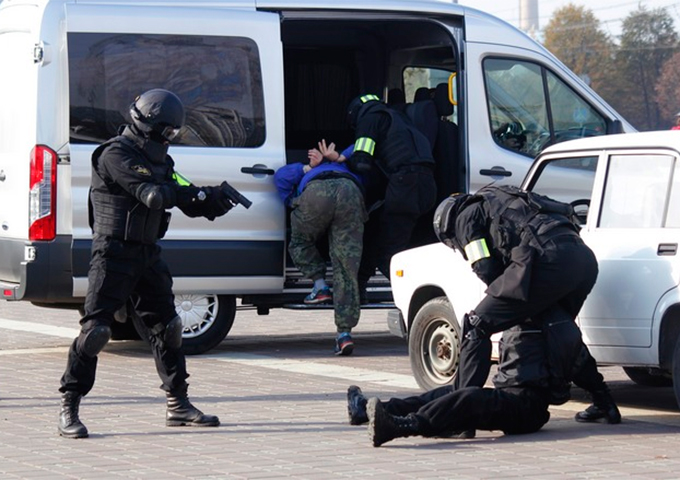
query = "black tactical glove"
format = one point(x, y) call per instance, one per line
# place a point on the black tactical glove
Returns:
point(189, 195)
point(216, 204)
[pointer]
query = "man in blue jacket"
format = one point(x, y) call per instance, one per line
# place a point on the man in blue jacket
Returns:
point(327, 199)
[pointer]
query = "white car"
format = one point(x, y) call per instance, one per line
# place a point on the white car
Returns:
point(626, 190)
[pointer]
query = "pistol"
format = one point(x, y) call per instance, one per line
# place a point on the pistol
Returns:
point(234, 196)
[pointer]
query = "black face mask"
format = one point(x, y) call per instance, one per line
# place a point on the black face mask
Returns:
point(154, 146)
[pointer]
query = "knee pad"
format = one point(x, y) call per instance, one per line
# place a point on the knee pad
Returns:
point(93, 342)
point(172, 337)
point(473, 327)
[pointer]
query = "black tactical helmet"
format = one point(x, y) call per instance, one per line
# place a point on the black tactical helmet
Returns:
point(158, 111)
point(444, 221)
point(356, 104)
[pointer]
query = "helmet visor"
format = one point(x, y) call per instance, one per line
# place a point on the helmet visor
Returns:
point(169, 132)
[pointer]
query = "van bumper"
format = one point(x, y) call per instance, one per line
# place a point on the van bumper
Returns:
point(36, 271)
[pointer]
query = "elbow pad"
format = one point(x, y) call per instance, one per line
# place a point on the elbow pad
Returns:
point(156, 197)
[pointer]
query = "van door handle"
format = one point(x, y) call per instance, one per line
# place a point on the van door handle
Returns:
point(667, 249)
point(257, 170)
point(2, 176)
point(495, 172)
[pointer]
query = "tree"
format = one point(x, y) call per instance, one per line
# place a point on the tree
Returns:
point(668, 88)
point(648, 41)
point(575, 37)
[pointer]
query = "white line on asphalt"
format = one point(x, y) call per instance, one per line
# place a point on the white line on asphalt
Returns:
point(353, 374)
point(358, 375)
point(42, 328)
point(34, 351)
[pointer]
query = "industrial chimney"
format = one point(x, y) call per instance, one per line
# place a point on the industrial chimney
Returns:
point(528, 16)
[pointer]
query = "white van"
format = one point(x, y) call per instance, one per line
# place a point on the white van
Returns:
point(263, 81)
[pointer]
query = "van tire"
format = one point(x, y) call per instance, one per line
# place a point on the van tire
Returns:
point(207, 320)
point(434, 344)
point(648, 377)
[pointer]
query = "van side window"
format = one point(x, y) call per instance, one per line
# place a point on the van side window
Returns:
point(422, 81)
point(531, 108)
point(636, 193)
point(218, 79)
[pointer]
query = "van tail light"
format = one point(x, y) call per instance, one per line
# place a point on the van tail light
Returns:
point(42, 215)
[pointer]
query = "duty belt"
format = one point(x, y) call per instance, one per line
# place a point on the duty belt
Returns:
point(418, 167)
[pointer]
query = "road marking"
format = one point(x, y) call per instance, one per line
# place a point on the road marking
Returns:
point(358, 375)
point(353, 374)
point(34, 351)
point(51, 330)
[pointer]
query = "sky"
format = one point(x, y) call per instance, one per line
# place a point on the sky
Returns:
point(610, 12)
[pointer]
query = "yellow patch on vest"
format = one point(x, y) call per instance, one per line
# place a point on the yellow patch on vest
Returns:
point(142, 170)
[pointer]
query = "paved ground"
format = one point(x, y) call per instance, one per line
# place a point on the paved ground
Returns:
point(281, 397)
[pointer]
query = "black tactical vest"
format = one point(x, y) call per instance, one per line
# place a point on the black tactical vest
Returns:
point(114, 212)
point(404, 144)
point(524, 218)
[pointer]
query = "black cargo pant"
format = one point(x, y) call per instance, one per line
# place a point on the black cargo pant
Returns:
point(411, 193)
point(119, 269)
point(443, 410)
point(561, 279)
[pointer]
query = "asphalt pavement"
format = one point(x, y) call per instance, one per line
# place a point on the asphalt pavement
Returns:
point(280, 394)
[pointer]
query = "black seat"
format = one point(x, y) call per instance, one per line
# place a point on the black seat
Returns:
point(449, 170)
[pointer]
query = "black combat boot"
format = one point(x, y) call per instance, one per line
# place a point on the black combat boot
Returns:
point(181, 412)
point(356, 406)
point(383, 427)
point(603, 409)
point(70, 425)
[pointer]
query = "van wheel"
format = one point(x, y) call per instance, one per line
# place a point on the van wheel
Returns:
point(207, 320)
point(434, 344)
point(648, 377)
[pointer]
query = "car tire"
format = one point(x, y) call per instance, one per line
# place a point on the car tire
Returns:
point(648, 377)
point(676, 370)
point(434, 344)
point(207, 320)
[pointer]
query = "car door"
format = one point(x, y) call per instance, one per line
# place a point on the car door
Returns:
point(634, 233)
point(226, 66)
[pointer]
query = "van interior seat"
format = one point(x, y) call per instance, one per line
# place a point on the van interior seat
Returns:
point(446, 157)
point(423, 114)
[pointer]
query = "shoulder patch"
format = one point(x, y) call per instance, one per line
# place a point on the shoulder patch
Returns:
point(142, 170)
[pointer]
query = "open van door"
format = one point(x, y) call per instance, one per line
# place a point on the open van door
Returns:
point(225, 64)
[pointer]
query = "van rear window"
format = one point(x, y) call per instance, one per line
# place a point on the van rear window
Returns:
point(218, 79)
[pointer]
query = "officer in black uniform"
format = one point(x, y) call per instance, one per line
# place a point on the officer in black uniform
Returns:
point(518, 403)
point(389, 147)
point(526, 248)
point(133, 184)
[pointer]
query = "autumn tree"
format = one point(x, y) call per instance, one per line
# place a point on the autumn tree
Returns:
point(574, 35)
point(648, 41)
point(668, 89)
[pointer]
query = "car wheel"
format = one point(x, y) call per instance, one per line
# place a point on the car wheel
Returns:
point(207, 319)
point(434, 344)
point(648, 377)
point(676, 370)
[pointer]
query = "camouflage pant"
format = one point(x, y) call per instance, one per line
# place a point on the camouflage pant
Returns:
point(333, 207)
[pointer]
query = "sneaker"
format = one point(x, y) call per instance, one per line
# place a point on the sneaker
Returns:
point(344, 345)
point(319, 296)
point(356, 406)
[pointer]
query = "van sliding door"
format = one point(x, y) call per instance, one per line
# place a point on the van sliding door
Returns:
point(226, 66)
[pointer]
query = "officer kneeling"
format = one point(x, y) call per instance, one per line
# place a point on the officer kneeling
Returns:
point(133, 184)
point(526, 248)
